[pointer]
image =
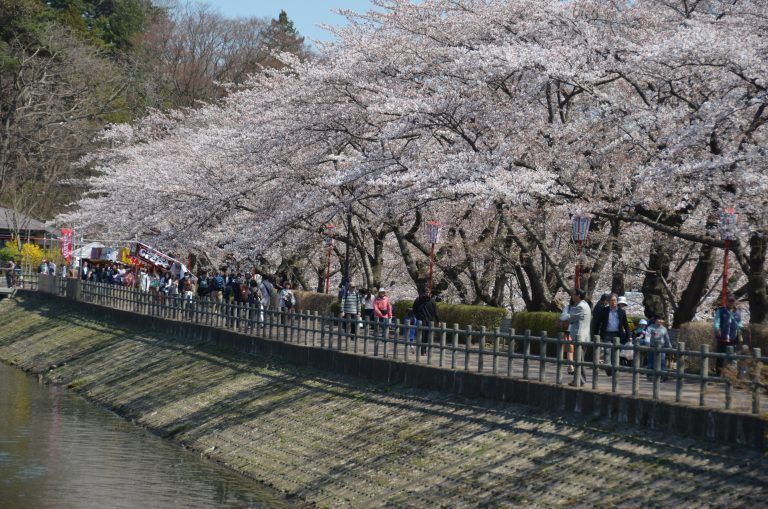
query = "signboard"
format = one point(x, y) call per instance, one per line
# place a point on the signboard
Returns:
point(67, 243)
point(152, 256)
point(580, 225)
point(728, 220)
point(433, 231)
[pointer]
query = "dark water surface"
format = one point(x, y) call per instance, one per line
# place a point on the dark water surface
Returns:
point(59, 451)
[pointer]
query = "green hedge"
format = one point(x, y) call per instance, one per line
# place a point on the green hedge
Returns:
point(462, 314)
point(537, 322)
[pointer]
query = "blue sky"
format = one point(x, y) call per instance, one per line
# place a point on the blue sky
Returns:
point(306, 14)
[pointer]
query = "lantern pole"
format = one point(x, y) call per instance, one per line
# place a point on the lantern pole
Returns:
point(579, 231)
point(433, 230)
point(329, 242)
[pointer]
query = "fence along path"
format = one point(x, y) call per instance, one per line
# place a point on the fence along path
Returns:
point(691, 381)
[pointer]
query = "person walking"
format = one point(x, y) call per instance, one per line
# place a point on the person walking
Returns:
point(580, 319)
point(612, 323)
point(10, 273)
point(368, 306)
point(657, 337)
point(286, 301)
point(728, 325)
point(203, 285)
point(382, 309)
point(426, 313)
point(350, 308)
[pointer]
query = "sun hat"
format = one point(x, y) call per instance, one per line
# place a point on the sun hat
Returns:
point(643, 321)
point(622, 300)
point(382, 290)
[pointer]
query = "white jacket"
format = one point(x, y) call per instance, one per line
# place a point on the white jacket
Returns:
point(580, 318)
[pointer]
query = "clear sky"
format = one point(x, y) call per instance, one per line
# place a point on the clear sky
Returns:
point(306, 14)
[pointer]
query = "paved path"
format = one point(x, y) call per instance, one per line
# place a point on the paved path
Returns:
point(715, 393)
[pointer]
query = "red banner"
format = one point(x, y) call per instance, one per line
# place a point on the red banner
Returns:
point(66, 243)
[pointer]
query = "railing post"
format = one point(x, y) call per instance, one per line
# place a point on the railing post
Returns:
point(481, 350)
point(443, 338)
point(703, 373)
point(455, 345)
point(560, 356)
point(728, 388)
point(510, 351)
point(495, 367)
point(467, 346)
point(635, 367)
point(756, 381)
point(526, 352)
point(656, 370)
point(597, 350)
point(542, 355)
point(615, 363)
point(679, 371)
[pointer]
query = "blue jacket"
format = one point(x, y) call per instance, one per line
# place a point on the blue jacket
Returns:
point(727, 325)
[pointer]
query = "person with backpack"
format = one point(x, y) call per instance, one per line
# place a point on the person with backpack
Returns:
point(425, 311)
point(728, 325)
point(217, 287)
point(267, 293)
point(203, 285)
point(350, 308)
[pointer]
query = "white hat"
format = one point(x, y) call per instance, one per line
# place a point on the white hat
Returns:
point(643, 321)
point(622, 300)
point(382, 290)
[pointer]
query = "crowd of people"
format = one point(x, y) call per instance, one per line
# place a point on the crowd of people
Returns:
point(375, 308)
point(608, 320)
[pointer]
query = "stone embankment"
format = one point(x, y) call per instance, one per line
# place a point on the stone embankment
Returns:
point(339, 441)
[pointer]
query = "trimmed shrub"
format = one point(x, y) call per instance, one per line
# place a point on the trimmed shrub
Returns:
point(537, 322)
point(462, 314)
point(313, 301)
point(695, 334)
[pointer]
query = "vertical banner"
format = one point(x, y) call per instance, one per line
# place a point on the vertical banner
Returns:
point(66, 243)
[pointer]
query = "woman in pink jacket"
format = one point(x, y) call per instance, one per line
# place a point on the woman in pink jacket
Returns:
point(382, 307)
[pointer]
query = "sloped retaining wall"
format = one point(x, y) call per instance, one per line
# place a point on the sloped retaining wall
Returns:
point(699, 422)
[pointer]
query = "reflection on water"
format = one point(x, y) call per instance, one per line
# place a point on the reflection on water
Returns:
point(59, 451)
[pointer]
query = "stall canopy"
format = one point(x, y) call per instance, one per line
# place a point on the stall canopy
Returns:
point(86, 250)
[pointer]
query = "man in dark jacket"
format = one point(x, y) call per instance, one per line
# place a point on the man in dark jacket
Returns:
point(612, 323)
point(425, 312)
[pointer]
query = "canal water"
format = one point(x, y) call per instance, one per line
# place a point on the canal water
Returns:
point(59, 451)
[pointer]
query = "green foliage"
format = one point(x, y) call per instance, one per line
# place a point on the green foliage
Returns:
point(537, 322)
point(462, 314)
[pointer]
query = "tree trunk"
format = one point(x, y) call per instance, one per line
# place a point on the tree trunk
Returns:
point(697, 286)
point(756, 279)
point(654, 294)
point(617, 267)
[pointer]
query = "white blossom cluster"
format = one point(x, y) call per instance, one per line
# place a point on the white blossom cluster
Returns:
point(501, 118)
